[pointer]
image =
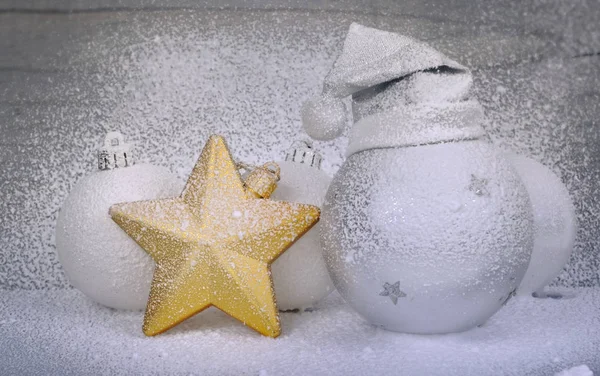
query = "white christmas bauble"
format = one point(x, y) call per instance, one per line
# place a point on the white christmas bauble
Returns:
point(555, 223)
point(99, 258)
point(427, 239)
point(300, 277)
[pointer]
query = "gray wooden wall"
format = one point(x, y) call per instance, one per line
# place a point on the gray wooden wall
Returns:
point(170, 73)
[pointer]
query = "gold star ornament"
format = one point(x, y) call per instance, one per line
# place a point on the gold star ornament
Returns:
point(214, 244)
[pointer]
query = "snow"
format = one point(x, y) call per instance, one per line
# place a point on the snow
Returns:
point(62, 332)
point(582, 370)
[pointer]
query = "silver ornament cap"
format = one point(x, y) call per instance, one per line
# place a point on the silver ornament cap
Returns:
point(115, 153)
point(303, 152)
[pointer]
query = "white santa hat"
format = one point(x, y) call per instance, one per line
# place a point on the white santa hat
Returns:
point(404, 93)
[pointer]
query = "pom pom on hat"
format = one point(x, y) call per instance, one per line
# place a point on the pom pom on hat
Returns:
point(324, 117)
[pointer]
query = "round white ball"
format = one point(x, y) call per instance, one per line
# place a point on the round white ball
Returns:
point(324, 118)
point(99, 258)
point(555, 223)
point(300, 277)
point(429, 239)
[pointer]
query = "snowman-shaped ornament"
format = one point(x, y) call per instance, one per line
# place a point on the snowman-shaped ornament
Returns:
point(426, 227)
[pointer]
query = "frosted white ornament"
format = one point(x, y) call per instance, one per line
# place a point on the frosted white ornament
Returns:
point(100, 259)
point(300, 277)
point(555, 224)
point(426, 228)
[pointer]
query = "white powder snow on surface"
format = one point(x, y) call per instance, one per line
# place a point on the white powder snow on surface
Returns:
point(62, 332)
point(582, 370)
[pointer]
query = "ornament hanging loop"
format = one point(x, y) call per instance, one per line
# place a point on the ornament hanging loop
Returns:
point(273, 168)
point(262, 180)
point(115, 152)
point(302, 151)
